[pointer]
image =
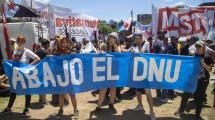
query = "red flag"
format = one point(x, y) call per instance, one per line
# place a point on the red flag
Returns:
point(6, 35)
point(16, 10)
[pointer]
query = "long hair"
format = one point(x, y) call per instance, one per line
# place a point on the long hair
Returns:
point(108, 44)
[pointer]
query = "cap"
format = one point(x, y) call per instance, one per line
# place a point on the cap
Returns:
point(196, 38)
point(114, 34)
point(13, 39)
point(175, 37)
point(201, 43)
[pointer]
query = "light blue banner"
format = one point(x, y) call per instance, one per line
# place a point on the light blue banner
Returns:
point(84, 72)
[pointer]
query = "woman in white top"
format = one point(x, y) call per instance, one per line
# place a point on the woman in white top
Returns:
point(112, 46)
point(142, 46)
point(22, 55)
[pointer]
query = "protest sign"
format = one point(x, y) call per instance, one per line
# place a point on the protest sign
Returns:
point(79, 25)
point(183, 21)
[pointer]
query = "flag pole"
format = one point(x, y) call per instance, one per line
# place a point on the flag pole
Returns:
point(31, 8)
point(6, 35)
point(132, 17)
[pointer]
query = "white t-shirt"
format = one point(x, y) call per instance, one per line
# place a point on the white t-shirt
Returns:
point(145, 48)
point(192, 49)
point(89, 48)
point(26, 56)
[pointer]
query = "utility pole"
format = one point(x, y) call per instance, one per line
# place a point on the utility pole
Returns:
point(31, 7)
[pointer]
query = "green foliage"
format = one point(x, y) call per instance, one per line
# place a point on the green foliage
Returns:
point(105, 29)
point(113, 26)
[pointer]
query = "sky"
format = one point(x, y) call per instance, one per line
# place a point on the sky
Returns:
point(118, 9)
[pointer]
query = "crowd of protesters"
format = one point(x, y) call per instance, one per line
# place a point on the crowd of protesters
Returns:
point(136, 43)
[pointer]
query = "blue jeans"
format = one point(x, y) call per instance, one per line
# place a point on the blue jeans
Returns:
point(161, 93)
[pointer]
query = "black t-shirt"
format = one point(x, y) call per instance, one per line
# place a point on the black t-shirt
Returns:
point(42, 53)
point(172, 49)
point(204, 74)
point(185, 50)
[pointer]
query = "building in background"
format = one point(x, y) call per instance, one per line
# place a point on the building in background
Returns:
point(144, 18)
point(207, 4)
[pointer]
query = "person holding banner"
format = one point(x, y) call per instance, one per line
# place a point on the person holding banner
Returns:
point(203, 81)
point(2, 82)
point(42, 53)
point(172, 48)
point(159, 48)
point(143, 47)
point(112, 46)
point(64, 47)
point(150, 40)
point(22, 55)
point(185, 49)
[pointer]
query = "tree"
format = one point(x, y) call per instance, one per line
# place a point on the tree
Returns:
point(113, 26)
point(102, 22)
point(105, 29)
point(121, 23)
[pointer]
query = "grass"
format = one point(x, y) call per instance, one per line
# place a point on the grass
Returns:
point(3, 102)
point(19, 102)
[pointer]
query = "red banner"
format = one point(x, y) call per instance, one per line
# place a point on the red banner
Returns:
point(184, 21)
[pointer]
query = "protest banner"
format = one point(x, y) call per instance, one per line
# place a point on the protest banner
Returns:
point(145, 29)
point(183, 21)
point(79, 25)
point(78, 73)
point(46, 11)
point(41, 7)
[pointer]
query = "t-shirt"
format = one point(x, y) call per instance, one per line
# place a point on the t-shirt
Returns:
point(193, 48)
point(25, 57)
point(184, 50)
point(42, 53)
point(159, 46)
point(179, 46)
point(145, 47)
point(172, 49)
point(89, 48)
point(204, 74)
